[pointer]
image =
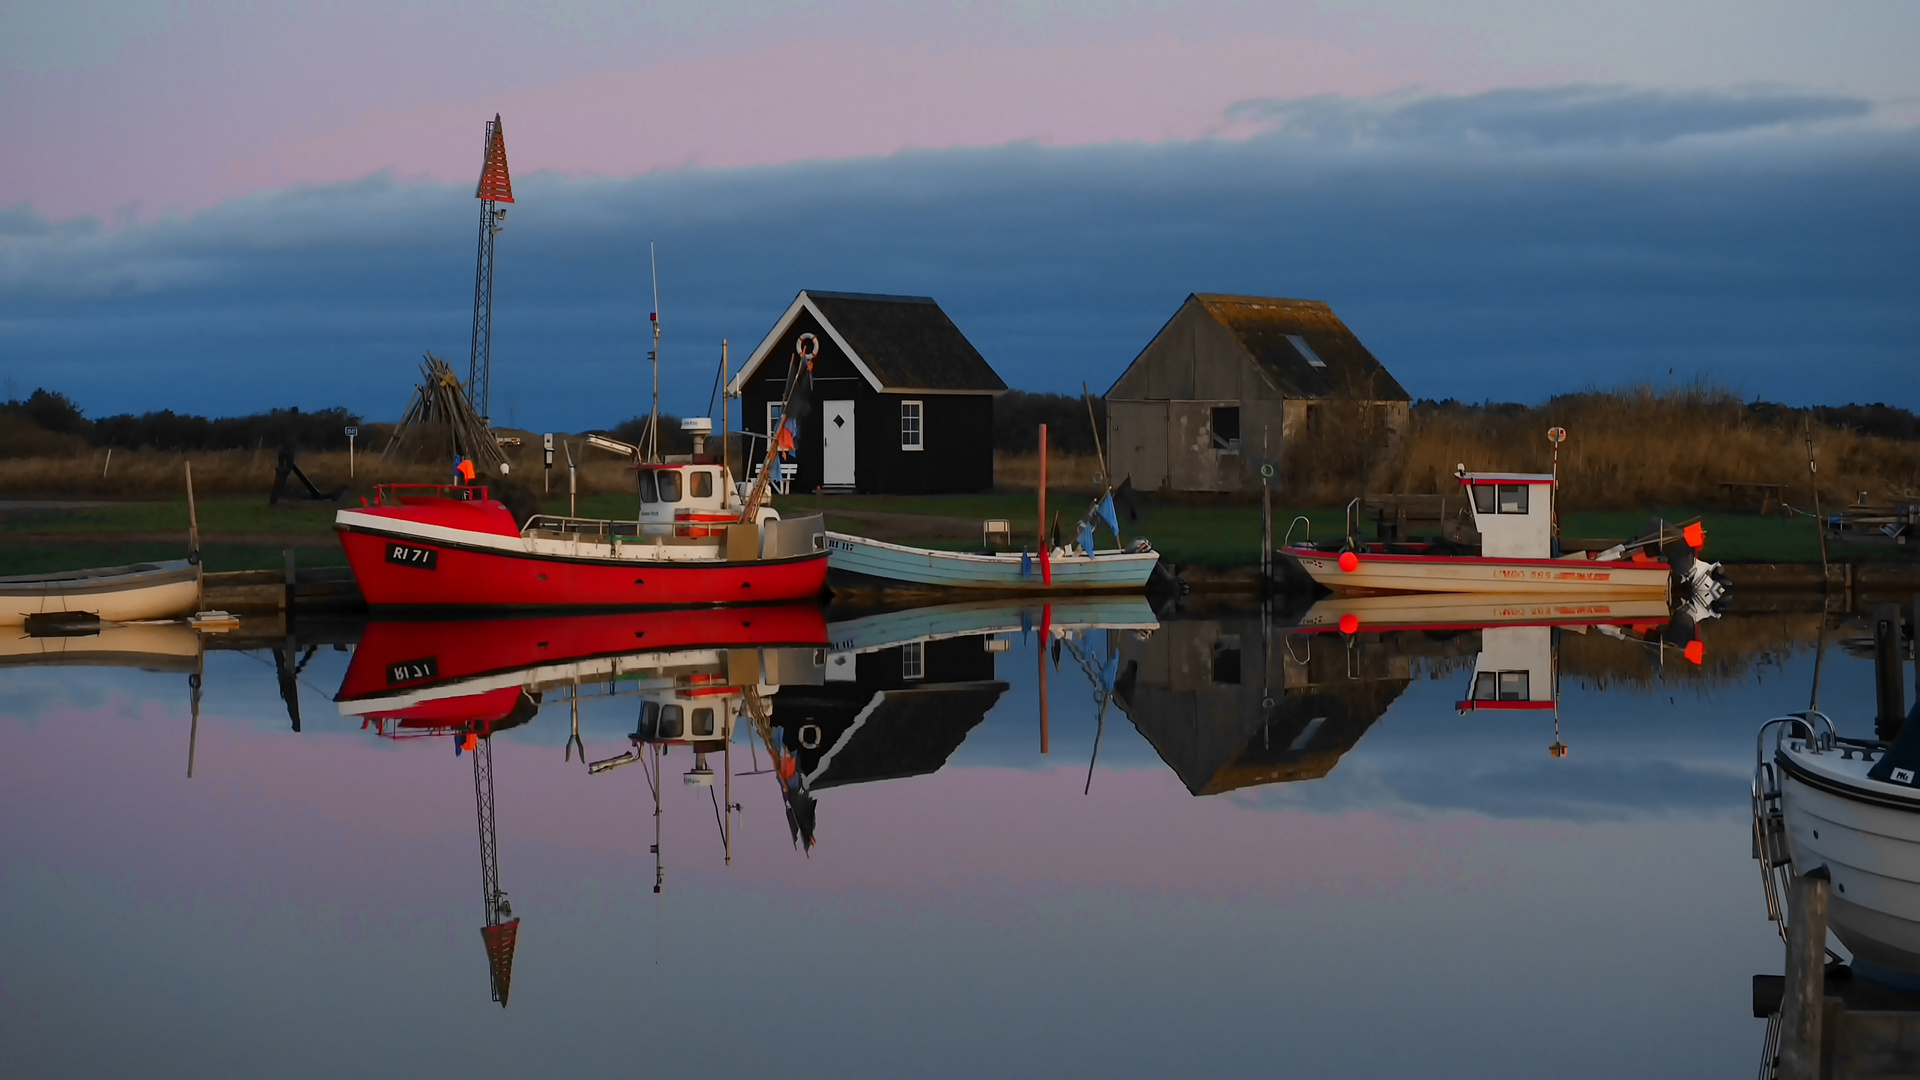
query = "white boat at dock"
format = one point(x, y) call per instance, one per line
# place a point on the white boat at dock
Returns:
point(115, 594)
point(858, 561)
point(1834, 805)
point(1513, 516)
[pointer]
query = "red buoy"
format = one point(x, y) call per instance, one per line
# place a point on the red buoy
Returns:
point(1349, 623)
point(1349, 561)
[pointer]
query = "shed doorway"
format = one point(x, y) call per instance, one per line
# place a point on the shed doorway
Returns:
point(836, 469)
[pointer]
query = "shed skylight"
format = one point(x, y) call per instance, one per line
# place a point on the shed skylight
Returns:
point(1306, 350)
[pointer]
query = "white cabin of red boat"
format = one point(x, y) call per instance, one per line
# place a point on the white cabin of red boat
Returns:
point(1514, 513)
point(679, 491)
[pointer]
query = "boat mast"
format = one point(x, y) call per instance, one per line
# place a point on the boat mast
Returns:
point(653, 420)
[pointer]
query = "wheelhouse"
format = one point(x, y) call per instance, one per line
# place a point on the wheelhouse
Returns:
point(1513, 513)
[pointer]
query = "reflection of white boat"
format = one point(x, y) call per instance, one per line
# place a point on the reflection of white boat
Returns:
point(857, 561)
point(153, 646)
point(866, 633)
point(1466, 611)
point(113, 593)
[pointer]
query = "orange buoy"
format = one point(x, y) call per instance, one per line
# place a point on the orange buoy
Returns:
point(1349, 623)
point(1349, 561)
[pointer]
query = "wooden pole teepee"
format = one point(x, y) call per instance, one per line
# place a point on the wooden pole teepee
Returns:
point(440, 425)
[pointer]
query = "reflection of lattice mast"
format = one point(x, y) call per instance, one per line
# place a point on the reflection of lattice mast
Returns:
point(496, 186)
point(501, 927)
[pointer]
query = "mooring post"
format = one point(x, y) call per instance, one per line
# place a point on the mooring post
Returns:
point(291, 573)
point(1800, 1011)
point(1890, 689)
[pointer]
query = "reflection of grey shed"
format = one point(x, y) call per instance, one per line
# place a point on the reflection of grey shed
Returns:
point(1228, 709)
point(1229, 375)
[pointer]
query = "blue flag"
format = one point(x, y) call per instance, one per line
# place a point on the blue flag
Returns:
point(1026, 564)
point(1106, 513)
point(1086, 537)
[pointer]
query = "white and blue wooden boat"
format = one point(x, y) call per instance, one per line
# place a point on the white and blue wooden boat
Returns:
point(855, 562)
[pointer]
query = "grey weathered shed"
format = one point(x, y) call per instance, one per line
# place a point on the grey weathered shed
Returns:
point(1231, 381)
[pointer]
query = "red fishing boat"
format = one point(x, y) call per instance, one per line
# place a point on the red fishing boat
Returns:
point(694, 542)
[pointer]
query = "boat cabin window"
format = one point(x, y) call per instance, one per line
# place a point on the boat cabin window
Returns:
point(702, 723)
point(1500, 498)
point(669, 483)
point(672, 721)
point(649, 492)
point(700, 484)
point(649, 720)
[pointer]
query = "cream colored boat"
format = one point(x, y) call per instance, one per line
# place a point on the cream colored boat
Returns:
point(117, 594)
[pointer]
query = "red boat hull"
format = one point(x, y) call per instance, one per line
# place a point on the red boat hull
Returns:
point(455, 575)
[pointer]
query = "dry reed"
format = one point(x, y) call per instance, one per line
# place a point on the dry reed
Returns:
point(1626, 449)
point(1069, 472)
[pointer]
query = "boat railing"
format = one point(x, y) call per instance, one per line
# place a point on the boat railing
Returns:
point(1769, 819)
point(1353, 523)
point(1306, 534)
point(573, 526)
point(395, 494)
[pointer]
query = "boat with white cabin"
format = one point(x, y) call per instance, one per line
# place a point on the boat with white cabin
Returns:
point(1513, 514)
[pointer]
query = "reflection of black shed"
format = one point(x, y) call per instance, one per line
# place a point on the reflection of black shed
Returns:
point(1198, 692)
point(903, 713)
point(903, 401)
point(1229, 375)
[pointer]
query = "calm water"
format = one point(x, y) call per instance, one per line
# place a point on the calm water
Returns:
point(1291, 854)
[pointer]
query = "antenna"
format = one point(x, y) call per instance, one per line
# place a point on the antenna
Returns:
point(653, 421)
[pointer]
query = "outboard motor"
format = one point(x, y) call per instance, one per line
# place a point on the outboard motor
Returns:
point(1699, 587)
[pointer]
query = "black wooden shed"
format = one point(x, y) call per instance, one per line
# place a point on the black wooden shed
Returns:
point(902, 401)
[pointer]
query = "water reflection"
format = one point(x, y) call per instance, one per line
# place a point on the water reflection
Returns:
point(1361, 775)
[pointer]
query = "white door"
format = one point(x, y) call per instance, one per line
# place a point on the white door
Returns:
point(836, 469)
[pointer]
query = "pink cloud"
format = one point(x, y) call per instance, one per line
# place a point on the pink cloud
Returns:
point(201, 114)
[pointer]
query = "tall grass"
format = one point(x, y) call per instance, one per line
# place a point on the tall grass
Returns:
point(1627, 449)
point(76, 472)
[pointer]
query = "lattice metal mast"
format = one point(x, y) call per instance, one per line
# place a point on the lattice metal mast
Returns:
point(496, 186)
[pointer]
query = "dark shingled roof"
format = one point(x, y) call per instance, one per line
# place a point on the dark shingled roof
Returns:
point(1262, 325)
point(907, 342)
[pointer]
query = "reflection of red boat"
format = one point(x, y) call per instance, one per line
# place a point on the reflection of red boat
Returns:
point(434, 546)
point(472, 673)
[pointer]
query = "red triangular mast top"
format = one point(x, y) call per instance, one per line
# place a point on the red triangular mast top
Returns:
point(495, 184)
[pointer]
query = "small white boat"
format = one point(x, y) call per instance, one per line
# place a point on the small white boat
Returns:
point(860, 562)
point(1513, 513)
point(1841, 804)
point(118, 594)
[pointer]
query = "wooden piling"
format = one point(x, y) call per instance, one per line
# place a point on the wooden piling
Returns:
point(1800, 1012)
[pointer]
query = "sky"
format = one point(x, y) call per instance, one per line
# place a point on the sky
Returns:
point(222, 207)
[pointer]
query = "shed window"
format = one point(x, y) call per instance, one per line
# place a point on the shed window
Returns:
point(773, 419)
point(910, 425)
point(700, 484)
point(1226, 429)
point(1305, 350)
point(913, 660)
